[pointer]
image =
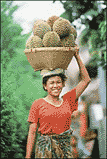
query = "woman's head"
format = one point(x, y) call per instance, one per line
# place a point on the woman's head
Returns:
point(53, 84)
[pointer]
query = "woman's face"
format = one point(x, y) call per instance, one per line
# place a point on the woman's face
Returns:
point(54, 85)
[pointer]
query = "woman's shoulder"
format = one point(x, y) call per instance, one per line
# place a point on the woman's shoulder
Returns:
point(37, 102)
point(70, 92)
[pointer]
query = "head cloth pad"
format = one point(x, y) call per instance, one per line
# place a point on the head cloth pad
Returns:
point(53, 72)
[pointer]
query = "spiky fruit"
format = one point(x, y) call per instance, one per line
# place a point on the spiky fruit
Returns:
point(51, 39)
point(36, 22)
point(33, 42)
point(41, 29)
point(68, 41)
point(28, 42)
point(73, 31)
point(62, 27)
point(51, 20)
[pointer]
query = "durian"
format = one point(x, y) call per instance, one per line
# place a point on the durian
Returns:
point(36, 22)
point(28, 42)
point(34, 42)
point(41, 29)
point(68, 41)
point(62, 27)
point(73, 31)
point(51, 20)
point(51, 39)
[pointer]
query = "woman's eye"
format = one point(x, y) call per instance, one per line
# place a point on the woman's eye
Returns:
point(51, 82)
point(56, 82)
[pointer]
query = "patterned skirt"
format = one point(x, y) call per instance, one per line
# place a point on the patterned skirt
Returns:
point(57, 146)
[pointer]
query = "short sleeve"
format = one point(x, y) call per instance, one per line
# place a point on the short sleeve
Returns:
point(71, 97)
point(33, 113)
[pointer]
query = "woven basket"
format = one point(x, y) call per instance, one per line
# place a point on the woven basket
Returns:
point(50, 57)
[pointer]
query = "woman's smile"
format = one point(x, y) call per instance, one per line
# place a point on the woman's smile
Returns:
point(56, 89)
point(54, 86)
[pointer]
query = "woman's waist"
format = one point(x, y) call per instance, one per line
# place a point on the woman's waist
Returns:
point(67, 132)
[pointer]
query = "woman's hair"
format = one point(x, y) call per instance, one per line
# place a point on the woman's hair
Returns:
point(83, 98)
point(45, 79)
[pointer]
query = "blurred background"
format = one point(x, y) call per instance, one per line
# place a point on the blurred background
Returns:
point(20, 85)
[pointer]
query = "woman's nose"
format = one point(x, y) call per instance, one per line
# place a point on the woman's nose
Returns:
point(55, 84)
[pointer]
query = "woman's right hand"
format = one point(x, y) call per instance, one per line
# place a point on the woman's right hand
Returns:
point(77, 51)
point(75, 114)
point(31, 139)
point(27, 157)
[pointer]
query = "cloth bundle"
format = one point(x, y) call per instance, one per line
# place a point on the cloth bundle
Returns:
point(57, 146)
point(53, 72)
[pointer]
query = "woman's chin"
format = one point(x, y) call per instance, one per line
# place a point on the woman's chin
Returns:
point(56, 94)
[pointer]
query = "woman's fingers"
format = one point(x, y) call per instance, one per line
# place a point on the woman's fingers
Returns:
point(75, 114)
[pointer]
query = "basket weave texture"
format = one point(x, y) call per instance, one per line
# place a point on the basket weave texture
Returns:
point(50, 57)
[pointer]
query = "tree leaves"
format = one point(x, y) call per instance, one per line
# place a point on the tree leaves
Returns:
point(11, 39)
point(93, 16)
point(91, 13)
point(19, 88)
point(84, 36)
point(102, 26)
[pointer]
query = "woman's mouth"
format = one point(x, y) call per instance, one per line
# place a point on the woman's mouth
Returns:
point(56, 90)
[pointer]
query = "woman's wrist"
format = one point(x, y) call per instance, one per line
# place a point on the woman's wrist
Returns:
point(77, 55)
point(27, 157)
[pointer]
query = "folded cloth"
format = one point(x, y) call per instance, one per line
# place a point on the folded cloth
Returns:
point(53, 72)
point(85, 149)
point(56, 146)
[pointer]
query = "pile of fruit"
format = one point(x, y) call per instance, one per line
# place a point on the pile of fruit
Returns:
point(55, 32)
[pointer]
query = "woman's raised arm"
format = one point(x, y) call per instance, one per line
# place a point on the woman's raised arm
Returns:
point(85, 79)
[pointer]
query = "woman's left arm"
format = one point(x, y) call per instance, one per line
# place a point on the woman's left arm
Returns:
point(85, 79)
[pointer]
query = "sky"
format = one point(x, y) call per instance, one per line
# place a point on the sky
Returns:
point(31, 10)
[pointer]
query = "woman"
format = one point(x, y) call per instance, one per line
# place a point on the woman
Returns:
point(52, 115)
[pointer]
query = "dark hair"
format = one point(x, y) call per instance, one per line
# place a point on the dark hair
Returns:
point(45, 79)
point(83, 98)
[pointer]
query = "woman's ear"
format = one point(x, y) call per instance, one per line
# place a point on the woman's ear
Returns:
point(44, 86)
point(63, 83)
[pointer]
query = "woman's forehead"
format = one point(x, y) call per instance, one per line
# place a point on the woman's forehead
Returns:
point(54, 78)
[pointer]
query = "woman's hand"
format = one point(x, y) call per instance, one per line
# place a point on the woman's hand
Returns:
point(77, 51)
point(75, 114)
point(27, 157)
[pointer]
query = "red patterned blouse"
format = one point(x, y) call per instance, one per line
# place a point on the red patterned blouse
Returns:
point(51, 118)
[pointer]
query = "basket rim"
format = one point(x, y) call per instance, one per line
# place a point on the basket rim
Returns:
point(52, 49)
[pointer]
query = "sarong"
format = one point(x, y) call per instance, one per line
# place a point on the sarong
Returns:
point(57, 146)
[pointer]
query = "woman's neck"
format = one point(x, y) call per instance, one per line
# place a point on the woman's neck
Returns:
point(52, 98)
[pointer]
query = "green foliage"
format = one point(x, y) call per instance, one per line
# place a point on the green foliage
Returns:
point(94, 18)
point(65, 15)
point(74, 9)
point(102, 28)
point(85, 36)
point(9, 133)
point(20, 85)
point(11, 37)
